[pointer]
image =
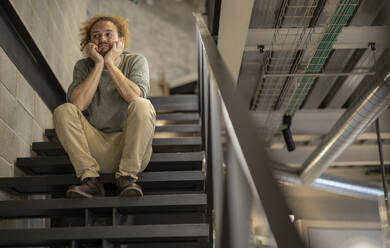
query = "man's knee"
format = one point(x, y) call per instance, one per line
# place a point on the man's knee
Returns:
point(141, 107)
point(63, 111)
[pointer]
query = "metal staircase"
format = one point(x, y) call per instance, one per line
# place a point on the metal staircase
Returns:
point(173, 213)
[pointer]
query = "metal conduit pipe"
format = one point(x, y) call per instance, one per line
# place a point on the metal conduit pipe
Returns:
point(334, 185)
point(351, 124)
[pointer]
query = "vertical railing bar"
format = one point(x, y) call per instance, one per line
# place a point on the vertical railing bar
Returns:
point(200, 82)
point(237, 150)
point(205, 97)
point(206, 144)
point(383, 169)
point(198, 43)
point(239, 198)
point(216, 161)
point(204, 107)
point(74, 244)
point(229, 160)
point(225, 222)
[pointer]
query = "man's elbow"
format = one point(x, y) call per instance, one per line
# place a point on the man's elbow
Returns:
point(79, 105)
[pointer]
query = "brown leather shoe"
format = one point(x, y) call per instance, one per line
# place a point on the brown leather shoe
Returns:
point(126, 186)
point(91, 187)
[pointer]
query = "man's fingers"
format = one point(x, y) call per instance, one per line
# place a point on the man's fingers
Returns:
point(91, 46)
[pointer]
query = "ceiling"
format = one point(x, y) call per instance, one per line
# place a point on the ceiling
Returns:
point(283, 38)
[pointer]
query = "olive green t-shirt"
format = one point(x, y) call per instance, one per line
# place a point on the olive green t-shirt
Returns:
point(107, 109)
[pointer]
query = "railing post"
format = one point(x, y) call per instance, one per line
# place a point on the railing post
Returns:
point(200, 77)
point(204, 97)
point(216, 161)
point(239, 200)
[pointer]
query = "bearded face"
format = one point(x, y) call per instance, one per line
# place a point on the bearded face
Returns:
point(103, 35)
point(104, 47)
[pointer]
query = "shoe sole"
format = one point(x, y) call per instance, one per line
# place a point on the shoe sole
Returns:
point(131, 192)
point(79, 194)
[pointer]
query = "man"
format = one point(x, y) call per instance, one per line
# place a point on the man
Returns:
point(112, 85)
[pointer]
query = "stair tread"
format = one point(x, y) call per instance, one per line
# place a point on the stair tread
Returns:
point(194, 140)
point(139, 233)
point(177, 144)
point(158, 162)
point(156, 157)
point(166, 128)
point(174, 99)
point(62, 206)
point(175, 103)
point(178, 116)
point(59, 183)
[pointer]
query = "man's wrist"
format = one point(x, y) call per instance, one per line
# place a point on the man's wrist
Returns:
point(109, 64)
point(99, 65)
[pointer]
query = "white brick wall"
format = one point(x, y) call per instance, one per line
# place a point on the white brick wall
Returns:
point(25, 94)
point(23, 116)
point(54, 26)
point(7, 73)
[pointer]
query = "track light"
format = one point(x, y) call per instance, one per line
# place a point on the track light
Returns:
point(287, 133)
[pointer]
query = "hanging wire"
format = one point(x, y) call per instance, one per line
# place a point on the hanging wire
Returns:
point(384, 170)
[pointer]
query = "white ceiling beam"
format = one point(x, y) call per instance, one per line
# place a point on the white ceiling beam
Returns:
point(279, 143)
point(352, 82)
point(233, 29)
point(355, 155)
point(320, 121)
point(349, 38)
point(318, 92)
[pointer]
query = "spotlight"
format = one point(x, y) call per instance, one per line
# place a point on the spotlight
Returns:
point(287, 133)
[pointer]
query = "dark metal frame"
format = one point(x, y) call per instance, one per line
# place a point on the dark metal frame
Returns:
point(213, 14)
point(243, 141)
point(24, 53)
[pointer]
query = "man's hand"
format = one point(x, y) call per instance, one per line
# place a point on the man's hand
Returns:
point(93, 54)
point(112, 57)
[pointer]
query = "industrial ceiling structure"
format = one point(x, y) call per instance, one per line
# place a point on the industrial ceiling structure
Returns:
point(314, 61)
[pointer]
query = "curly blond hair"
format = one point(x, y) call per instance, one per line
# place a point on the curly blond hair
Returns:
point(119, 22)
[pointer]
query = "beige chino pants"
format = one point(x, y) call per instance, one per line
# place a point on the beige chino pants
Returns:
point(92, 151)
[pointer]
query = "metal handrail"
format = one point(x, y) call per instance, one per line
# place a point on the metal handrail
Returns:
point(252, 147)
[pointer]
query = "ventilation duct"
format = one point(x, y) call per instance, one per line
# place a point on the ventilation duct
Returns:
point(334, 185)
point(351, 124)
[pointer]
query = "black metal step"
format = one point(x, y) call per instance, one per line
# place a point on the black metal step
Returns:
point(176, 103)
point(59, 207)
point(158, 162)
point(179, 128)
point(150, 182)
point(178, 144)
point(178, 116)
point(115, 234)
point(174, 99)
